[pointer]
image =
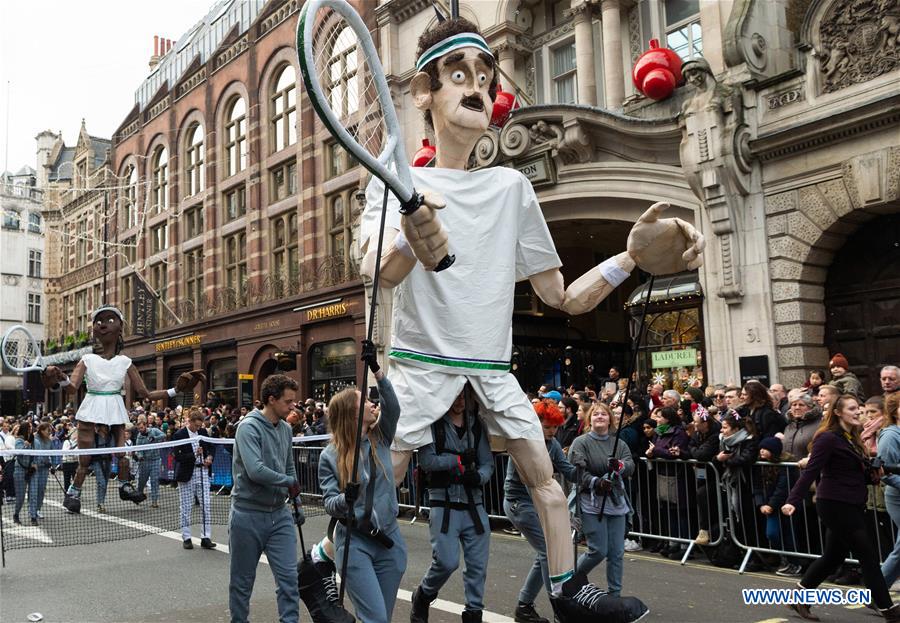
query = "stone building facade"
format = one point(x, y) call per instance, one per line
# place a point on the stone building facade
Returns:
point(22, 276)
point(782, 149)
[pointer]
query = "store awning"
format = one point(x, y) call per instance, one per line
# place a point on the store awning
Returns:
point(670, 289)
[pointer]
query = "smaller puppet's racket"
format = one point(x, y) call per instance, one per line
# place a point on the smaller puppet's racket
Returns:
point(348, 90)
point(21, 352)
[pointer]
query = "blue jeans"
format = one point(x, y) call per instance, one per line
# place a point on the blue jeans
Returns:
point(890, 568)
point(149, 471)
point(250, 534)
point(525, 518)
point(605, 539)
point(22, 485)
point(373, 574)
point(36, 488)
point(97, 467)
point(445, 553)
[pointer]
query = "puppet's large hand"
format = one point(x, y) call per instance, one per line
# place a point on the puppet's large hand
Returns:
point(189, 380)
point(51, 376)
point(665, 246)
point(424, 232)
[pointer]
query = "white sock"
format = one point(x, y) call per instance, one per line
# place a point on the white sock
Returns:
point(319, 555)
point(557, 581)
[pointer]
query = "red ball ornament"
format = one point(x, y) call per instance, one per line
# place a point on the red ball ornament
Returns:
point(657, 72)
point(425, 154)
point(504, 104)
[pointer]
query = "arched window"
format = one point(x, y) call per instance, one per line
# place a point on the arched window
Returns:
point(236, 137)
point(193, 161)
point(159, 181)
point(130, 208)
point(342, 89)
point(284, 109)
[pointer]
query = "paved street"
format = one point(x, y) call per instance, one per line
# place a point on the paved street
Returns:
point(153, 579)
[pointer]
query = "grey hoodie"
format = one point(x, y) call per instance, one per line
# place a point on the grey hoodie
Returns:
point(263, 465)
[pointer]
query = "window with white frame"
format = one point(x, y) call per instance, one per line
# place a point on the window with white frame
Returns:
point(34, 222)
point(34, 307)
point(193, 161)
point(11, 219)
point(284, 109)
point(193, 271)
point(159, 181)
point(34, 263)
point(683, 33)
point(81, 311)
point(236, 261)
point(130, 208)
point(563, 73)
point(285, 239)
point(159, 238)
point(235, 203)
point(342, 87)
point(236, 137)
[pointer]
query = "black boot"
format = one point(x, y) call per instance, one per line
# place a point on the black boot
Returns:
point(892, 614)
point(128, 493)
point(420, 604)
point(72, 503)
point(583, 602)
point(525, 613)
point(471, 616)
point(319, 593)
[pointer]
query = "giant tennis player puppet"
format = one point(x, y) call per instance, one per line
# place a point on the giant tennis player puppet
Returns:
point(104, 373)
point(454, 326)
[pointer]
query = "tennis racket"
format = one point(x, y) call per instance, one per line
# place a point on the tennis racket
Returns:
point(346, 85)
point(21, 352)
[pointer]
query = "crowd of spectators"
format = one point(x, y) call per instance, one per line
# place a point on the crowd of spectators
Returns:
point(749, 443)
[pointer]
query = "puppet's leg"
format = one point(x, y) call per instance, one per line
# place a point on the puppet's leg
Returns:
point(127, 491)
point(72, 500)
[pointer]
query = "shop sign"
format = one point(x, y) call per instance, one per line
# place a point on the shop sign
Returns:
point(245, 377)
point(537, 171)
point(325, 312)
point(684, 358)
point(179, 342)
point(267, 324)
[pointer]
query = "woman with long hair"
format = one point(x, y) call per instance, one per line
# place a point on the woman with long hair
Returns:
point(377, 550)
point(889, 452)
point(738, 451)
point(670, 443)
point(755, 398)
point(601, 489)
point(839, 462)
point(25, 468)
point(43, 440)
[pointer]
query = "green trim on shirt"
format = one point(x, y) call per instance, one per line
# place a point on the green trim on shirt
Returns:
point(118, 392)
point(454, 363)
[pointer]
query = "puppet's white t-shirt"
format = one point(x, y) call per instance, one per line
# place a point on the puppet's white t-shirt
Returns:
point(103, 403)
point(460, 320)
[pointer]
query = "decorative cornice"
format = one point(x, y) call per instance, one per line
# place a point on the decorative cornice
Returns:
point(399, 11)
point(830, 128)
point(188, 85)
point(224, 57)
point(158, 107)
point(278, 16)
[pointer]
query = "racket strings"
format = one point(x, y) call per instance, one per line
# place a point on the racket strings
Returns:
point(19, 350)
point(347, 80)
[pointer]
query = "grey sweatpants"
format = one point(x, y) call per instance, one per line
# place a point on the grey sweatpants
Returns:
point(250, 534)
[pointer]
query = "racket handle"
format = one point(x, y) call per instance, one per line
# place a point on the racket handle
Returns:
point(445, 263)
point(408, 207)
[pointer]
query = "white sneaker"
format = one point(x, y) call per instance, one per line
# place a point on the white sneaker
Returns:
point(632, 546)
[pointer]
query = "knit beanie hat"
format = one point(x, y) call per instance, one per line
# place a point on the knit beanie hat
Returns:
point(839, 360)
point(772, 444)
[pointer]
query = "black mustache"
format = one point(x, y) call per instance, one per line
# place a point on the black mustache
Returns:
point(473, 101)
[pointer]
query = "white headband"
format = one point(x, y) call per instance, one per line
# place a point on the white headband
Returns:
point(109, 308)
point(455, 42)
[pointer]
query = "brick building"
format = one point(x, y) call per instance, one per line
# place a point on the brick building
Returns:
point(223, 173)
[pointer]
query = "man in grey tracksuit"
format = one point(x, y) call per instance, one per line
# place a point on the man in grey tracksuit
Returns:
point(264, 478)
point(456, 466)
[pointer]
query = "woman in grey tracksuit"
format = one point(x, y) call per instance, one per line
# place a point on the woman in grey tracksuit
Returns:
point(604, 503)
point(377, 557)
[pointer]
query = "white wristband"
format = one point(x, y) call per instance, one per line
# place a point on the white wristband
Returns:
point(402, 245)
point(613, 274)
point(171, 391)
point(65, 382)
